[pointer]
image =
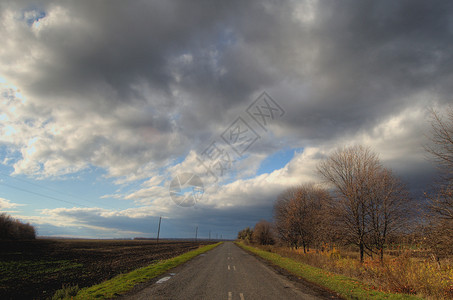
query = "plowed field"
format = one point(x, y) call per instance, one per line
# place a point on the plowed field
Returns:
point(36, 269)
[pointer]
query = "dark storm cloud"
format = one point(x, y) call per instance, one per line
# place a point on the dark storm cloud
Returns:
point(357, 59)
point(99, 57)
point(119, 44)
point(371, 59)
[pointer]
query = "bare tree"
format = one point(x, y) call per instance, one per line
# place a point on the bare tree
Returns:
point(388, 208)
point(262, 233)
point(440, 215)
point(371, 203)
point(349, 170)
point(441, 147)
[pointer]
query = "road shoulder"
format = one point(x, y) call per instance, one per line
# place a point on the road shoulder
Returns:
point(299, 282)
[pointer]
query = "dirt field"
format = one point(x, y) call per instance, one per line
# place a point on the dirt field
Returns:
point(36, 269)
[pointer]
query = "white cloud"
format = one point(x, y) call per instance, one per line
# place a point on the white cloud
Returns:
point(398, 140)
point(6, 205)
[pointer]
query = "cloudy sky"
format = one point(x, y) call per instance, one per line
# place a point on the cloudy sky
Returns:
point(104, 104)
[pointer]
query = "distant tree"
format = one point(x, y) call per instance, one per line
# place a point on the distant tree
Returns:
point(245, 234)
point(285, 227)
point(13, 229)
point(299, 213)
point(263, 234)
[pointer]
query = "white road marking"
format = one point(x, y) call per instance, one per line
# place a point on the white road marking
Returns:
point(228, 267)
point(230, 295)
point(234, 267)
point(162, 280)
point(242, 296)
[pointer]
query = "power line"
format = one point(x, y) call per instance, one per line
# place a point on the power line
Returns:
point(42, 195)
point(52, 190)
point(42, 186)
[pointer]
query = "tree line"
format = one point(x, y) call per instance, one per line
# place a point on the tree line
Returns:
point(360, 202)
point(13, 229)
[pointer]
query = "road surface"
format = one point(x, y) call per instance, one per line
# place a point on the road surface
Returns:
point(226, 272)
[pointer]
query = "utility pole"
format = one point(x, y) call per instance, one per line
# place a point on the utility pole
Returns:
point(158, 229)
point(196, 233)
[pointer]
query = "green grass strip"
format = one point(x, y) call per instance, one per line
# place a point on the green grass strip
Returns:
point(124, 282)
point(346, 287)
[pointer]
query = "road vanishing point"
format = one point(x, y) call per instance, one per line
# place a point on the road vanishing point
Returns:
point(227, 272)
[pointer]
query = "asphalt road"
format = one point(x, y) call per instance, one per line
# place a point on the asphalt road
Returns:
point(226, 272)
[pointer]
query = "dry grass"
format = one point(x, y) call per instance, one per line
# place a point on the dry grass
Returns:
point(401, 274)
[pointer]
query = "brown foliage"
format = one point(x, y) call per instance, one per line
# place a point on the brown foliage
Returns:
point(263, 234)
point(245, 234)
point(300, 214)
point(439, 237)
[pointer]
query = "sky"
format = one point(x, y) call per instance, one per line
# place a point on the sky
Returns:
point(116, 113)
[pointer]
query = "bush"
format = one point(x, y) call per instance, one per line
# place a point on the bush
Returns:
point(13, 229)
point(404, 275)
point(67, 292)
point(245, 234)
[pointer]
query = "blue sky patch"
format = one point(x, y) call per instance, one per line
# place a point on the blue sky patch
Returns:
point(276, 161)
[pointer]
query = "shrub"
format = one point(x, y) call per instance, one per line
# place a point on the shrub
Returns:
point(245, 234)
point(67, 292)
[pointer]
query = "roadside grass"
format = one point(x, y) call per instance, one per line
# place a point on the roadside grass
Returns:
point(124, 282)
point(346, 287)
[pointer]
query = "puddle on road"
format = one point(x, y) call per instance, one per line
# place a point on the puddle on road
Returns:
point(162, 280)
